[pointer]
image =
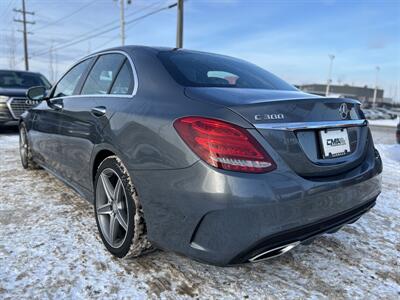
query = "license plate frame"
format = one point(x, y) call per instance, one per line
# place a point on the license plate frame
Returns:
point(334, 142)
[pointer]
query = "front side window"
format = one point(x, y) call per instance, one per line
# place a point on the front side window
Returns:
point(124, 82)
point(67, 85)
point(198, 69)
point(102, 75)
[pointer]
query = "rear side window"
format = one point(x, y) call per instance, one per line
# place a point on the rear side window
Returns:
point(124, 82)
point(67, 85)
point(103, 74)
point(199, 69)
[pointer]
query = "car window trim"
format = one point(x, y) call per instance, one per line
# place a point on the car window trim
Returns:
point(85, 75)
point(115, 78)
point(53, 90)
point(135, 77)
point(90, 70)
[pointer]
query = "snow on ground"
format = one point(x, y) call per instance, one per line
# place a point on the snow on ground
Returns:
point(387, 123)
point(49, 248)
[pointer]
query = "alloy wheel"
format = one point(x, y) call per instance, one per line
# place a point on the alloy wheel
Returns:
point(23, 146)
point(112, 208)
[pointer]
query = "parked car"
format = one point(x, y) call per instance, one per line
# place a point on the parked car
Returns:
point(367, 114)
point(13, 88)
point(387, 113)
point(202, 154)
point(379, 114)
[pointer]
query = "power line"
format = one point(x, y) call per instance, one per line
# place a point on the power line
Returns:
point(69, 44)
point(106, 43)
point(87, 34)
point(5, 11)
point(66, 16)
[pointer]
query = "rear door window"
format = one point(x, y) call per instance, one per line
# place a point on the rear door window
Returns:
point(124, 82)
point(103, 74)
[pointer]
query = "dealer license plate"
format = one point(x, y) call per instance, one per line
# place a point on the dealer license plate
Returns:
point(334, 142)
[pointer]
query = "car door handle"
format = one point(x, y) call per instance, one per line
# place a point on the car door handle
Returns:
point(99, 111)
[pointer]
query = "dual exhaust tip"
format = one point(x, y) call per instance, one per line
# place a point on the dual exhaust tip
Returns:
point(275, 252)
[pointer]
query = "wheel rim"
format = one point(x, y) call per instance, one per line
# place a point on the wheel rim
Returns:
point(23, 146)
point(112, 208)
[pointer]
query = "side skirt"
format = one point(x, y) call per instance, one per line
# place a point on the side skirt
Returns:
point(83, 192)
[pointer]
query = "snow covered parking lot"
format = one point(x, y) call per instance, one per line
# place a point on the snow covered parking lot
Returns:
point(49, 248)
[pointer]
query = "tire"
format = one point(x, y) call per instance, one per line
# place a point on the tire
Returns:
point(119, 214)
point(25, 150)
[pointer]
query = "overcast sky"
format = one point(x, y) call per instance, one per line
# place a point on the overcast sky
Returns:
point(289, 38)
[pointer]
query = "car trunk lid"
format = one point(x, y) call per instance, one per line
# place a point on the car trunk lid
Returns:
point(292, 122)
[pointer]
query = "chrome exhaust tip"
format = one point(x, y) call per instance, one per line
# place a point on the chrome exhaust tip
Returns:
point(275, 252)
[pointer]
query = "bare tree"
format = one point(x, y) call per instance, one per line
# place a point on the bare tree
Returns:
point(11, 49)
point(51, 63)
point(89, 48)
point(55, 65)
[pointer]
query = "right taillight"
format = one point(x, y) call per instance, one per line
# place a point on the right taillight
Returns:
point(224, 145)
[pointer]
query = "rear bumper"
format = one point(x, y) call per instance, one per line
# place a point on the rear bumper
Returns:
point(224, 218)
point(305, 234)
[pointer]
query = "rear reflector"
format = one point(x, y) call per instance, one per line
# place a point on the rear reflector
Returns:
point(224, 145)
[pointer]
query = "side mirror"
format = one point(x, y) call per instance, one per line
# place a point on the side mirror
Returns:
point(37, 93)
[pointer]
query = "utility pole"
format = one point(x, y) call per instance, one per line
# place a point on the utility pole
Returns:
point(24, 31)
point(377, 68)
point(122, 18)
point(331, 57)
point(179, 25)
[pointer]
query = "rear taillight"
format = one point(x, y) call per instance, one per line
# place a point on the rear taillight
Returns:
point(224, 145)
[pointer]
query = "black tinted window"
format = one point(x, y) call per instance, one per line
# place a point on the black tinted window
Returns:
point(123, 84)
point(212, 70)
point(102, 74)
point(22, 80)
point(66, 86)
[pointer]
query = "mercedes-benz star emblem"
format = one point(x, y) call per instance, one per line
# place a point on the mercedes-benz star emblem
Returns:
point(344, 111)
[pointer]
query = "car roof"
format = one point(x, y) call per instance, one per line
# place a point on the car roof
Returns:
point(134, 47)
point(154, 49)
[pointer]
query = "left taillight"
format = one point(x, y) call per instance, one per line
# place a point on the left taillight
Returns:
point(224, 145)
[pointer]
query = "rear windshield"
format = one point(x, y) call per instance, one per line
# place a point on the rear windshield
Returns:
point(22, 80)
point(198, 69)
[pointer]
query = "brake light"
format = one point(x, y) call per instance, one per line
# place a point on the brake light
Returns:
point(224, 145)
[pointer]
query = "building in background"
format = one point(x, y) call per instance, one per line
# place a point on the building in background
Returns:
point(364, 94)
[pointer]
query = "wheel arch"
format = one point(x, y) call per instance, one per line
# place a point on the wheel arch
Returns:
point(98, 158)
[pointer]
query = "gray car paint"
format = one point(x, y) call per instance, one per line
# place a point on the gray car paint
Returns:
point(190, 207)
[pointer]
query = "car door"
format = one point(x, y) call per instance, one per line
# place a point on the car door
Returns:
point(46, 122)
point(84, 117)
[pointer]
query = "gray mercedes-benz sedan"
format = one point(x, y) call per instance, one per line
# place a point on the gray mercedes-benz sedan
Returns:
point(201, 154)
